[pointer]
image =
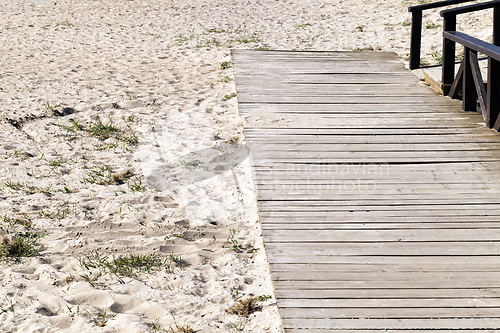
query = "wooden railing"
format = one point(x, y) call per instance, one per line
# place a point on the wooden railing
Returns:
point(416, 27)
point(469, 77)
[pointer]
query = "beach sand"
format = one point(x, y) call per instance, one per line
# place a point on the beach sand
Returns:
point(121, 138)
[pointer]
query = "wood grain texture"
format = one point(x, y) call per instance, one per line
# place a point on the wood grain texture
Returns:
point(379, 199)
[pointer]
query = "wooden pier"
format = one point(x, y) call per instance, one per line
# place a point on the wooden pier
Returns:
point(379, 199)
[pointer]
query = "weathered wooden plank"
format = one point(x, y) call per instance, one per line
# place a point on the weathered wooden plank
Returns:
point(384, 303)
point(305, 140)
point(328, 55)
point(407, 266)
point(386, 313)
point(375, 186)
point(305, 79)
point(352, 191)
point(273, 55)
point(441, 106)
point(366, 325)
point(319, 132)
point(470, 168)
point(359, 191)
point(291, 89)
point(332, 123)
point(325, 326)
point(408, 235)
point(396, 207)
point(390, 293)
point(378, 249)
point(369, 214)
point(267, 182)
point(429, 155)
point(377, 147)
point(284, 224)
point(339, 99)
point(386, 284)
point(366, 173)
point(481, 179)
point(358, 65)
point(394, 260)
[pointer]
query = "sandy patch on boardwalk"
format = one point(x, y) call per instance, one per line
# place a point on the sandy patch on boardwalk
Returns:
point(120, 136)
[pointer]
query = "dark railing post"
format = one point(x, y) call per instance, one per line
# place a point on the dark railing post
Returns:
point(416, 39)
point(496, 26)
point(448, 75)
point(469, 94)
point(493, 96)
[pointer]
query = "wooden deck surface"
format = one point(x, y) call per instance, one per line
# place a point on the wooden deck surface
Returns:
point(379, 199)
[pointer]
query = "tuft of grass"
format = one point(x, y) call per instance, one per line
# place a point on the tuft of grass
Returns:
point(104, 131)
point(217, 31)
point(177, 262)
point(225, 65)
point(129, 119)
point(263, 298)
point(135, 185)
point(156, 327)
point(16, 186)
point(437, 56)
point(236, 246)
point(367, 48)
point(424, 62)
point(212, 42)
point(156, 36)
point(211, 221)
point(50, 108)
point(56, 162)
point(245, 307)
point(179, 40)
point(192, 164)
point(227, 79)
point(359, 28)
point(66, 190)
point(228, 97)
point(100, 175)
point(23, 156)
point(406, 24)
point(71, 130)
point(130, 265)
point(20, 244)
point(432, 25)
point(103, 317)
point(57, 214)
point(303, 25)
point(24, 221)
point(119, 177)
point(180, 329)
point(252, 39)
point(65, 23)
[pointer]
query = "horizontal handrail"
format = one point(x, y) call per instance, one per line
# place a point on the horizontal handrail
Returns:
point(473, 43)
point(416, 27)
point(450, 25)
point(469, 8)
point(469, 73)
point(436, 5)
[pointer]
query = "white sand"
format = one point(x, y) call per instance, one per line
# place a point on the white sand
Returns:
point(153, 66)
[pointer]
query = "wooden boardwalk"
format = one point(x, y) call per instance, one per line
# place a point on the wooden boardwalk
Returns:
point(379, 199)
